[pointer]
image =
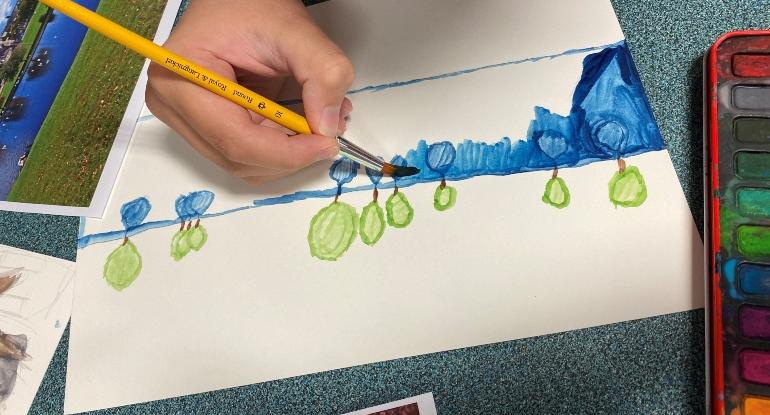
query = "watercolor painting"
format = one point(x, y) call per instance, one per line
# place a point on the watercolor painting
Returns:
point(50, 153)
point(542, 180)
point(35, 295)
point(610, 119)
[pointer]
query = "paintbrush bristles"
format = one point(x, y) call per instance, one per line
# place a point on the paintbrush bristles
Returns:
point(398, 171)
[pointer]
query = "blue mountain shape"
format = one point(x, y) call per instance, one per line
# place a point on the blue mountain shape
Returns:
point(610, 118)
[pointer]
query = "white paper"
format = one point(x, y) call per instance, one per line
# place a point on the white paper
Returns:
point(36, 306)
point(119, 145)
point(253, 305)
point(424, 403)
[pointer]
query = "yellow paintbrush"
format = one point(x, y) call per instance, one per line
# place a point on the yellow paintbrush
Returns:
point(216, 83)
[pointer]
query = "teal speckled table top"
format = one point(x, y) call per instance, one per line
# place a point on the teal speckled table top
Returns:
point(649, 366)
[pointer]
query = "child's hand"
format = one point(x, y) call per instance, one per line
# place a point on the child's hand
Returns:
point(259, 43)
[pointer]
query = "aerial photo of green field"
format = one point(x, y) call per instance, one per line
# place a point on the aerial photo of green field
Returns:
point(63, 92)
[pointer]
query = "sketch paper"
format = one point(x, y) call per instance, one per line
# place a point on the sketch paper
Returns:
point(35, 305)
point(416, 405)
point(65, 114)
point(546, 202)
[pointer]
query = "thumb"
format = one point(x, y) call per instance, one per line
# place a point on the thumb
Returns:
point(324, 73)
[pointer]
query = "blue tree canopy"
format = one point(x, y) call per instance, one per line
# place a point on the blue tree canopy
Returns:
point(194, 204)
point(133, 213)
point(343, 170)
point(397, 160)
point(181, 207)
point(553, 145)
point(200, 201)
point(374, 175)
point(440, 157)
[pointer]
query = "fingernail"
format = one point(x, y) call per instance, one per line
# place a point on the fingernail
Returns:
point(328, 152)
point(330, 118)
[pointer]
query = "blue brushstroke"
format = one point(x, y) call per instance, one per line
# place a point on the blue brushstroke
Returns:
point(97, 238)
point(199, 202)
point(728, 271)
point(397, 84)
point(343, 171)
point(398, 161)
point(81, 226)
point(609, 118)
point(133, 213)
point(440, 156)
point(182, 210)
point(193, 205)
point(374, 176)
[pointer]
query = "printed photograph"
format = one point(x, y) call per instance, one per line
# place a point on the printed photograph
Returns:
point(63, 94)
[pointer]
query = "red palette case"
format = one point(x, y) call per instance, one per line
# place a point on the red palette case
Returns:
point(737, 168)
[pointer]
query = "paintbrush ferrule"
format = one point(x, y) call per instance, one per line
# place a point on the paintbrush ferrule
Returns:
point(359, 155)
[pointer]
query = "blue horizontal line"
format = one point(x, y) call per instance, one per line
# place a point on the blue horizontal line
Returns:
point(382, 87)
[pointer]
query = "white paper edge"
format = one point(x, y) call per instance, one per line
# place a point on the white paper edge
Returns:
point(119, 148)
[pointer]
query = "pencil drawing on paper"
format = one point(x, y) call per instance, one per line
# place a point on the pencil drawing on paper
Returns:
point(13, 347)
point(609, 119)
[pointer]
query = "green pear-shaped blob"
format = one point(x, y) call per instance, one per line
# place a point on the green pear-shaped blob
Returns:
point(197, 237)
point(444, 198)
point(123, 266)
point(556, 193)
point(371, 226)
point(180, 245)
point(400, 212)
point(627, 188)
point(332, 231)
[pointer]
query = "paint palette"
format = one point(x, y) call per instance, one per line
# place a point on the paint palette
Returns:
point(738, 222)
